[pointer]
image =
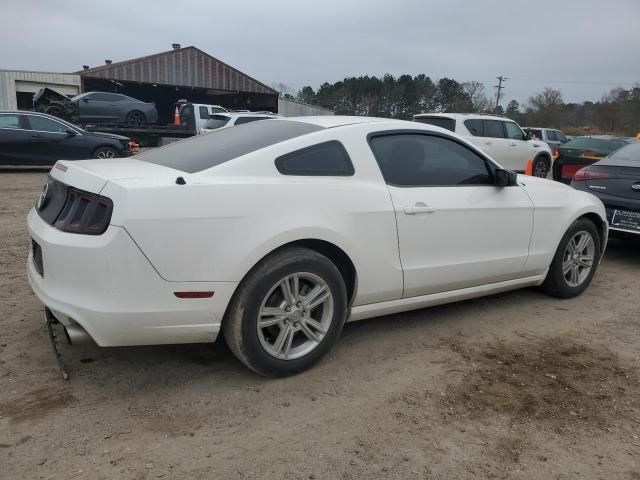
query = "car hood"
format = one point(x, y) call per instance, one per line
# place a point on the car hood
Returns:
point(112, 136)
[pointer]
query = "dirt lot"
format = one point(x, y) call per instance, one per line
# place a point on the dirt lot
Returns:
point(512, 386)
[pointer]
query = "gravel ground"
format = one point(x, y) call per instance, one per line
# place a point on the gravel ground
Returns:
point(517, 385)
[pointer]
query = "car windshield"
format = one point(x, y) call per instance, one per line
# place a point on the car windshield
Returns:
point(216, 121)
point(205, 151)
point(588, 143)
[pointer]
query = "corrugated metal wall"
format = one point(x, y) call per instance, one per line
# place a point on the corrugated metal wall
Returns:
point(68, 84)
point(186, 67)
point(291, 108)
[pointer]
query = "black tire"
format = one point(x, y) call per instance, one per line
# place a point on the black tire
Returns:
point(106, 152)
point(556, 284)
point(136, 117)
point(541, 166)
point(240, 326)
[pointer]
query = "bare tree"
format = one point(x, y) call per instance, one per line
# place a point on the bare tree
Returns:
point(545, 107)
point(283, 89)
point(476, 92)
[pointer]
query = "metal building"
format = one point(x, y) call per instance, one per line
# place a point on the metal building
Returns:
point(187, 73)
point(17, 87)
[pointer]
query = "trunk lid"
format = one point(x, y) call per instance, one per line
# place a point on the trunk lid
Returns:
point(621, 181)
point(93, 175)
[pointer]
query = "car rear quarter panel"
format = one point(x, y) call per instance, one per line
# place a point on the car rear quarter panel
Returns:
point(224, 221)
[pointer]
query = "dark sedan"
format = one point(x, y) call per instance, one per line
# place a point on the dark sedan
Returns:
point(616, 181)
point(96, 107)
point(37, 139)
point(582, 151)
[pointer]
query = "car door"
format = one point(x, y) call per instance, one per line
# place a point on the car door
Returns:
point(53, 140)
point(97, 107)
point(497, 142)
point(13, 140)
point(456, 229)
point(519, 150)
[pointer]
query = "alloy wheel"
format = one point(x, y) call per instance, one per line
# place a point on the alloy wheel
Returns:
point(106, 154)
point(295, 316)
point(540, 169)
point(578, 257)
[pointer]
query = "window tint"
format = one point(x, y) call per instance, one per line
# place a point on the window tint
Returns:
point(616, 144)
point(475, 127)
point(443, 122)
point(629, 155)
point(513, 131)
point(216, 121)
point(217, 110)
point(9, 121)
point(551, 136)
point(242, 120)
point(425, 160)
point(587, 142)
point(493, 128)
point(43, 124)
point(324, 159)
point(204, 112)
point(560, 136)
point(102, 97)
point(198, 153)
point(535, 133)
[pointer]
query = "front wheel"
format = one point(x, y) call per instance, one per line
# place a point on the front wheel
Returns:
point(287, 313)
point(136, 118)
point(575, 261)
point(106, 152)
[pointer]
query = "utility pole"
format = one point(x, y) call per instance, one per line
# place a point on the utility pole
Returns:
point(501, 80)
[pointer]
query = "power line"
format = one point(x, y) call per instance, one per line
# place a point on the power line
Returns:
point(573, 82)
point(501, 80)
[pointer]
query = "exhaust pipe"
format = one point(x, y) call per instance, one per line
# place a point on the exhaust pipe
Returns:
point(77, 335)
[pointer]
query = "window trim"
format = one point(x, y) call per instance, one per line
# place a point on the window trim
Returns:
point(351, 171)
point(491, 165)
point(27, 123)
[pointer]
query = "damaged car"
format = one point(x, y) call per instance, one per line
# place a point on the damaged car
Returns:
point(96, 107)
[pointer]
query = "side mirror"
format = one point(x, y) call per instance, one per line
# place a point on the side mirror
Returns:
point(528, 135)
point(85, 100)
point(505, 178)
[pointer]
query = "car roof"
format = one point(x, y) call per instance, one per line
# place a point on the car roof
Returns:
point(332, 121)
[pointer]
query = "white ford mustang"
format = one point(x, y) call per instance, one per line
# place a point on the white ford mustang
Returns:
point(277, 232)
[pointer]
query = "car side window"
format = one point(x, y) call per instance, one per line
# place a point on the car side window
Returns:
point(475, 127)
point(101, 97)
point(9, 121)
point(43, 124)
point(551, 135)
point(323, 159)
point(513, 131)
point(204, 112)
point(417, 160)
point(560, 136)
point(494, 128)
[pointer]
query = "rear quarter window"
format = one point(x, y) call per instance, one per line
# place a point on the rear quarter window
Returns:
point(442, 122)
point(324, 159)
point(475, 127)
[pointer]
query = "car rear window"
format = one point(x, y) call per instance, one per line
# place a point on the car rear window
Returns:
point(442, 122)
point(216, 121)
point(628, 156)
point(587, 142)
point(205, 151)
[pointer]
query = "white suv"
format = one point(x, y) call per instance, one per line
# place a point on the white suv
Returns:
point(231, 119)
point(499, 137)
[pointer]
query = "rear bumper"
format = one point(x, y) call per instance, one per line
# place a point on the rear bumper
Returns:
point(106, 285)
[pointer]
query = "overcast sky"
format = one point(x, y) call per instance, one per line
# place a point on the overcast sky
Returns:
point(583, 47)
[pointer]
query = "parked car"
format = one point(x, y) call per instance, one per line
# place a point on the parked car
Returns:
point(96, 107)
point(195, 115)
point(37, 139)
point(499, 137)
point(231, 119)
point(582, 151)
point(275, 233)
point(616, 181)
point(552, 137)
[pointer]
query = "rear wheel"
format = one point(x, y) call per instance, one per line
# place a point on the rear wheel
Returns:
point(106, 152)
point(287, 313)
point(136, 118)
point(541, 167)
point(575, 261)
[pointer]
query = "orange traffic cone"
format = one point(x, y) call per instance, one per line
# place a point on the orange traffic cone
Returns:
point(529, 169)
point(176, 117)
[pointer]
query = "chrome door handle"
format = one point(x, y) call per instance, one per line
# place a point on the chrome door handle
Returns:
point(514, 144)
point(419, 207)
point(488, 143)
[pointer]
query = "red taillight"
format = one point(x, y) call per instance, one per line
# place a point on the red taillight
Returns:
point(134, 147)
point(85, 213)
point(590, 154)
point(585, 174)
